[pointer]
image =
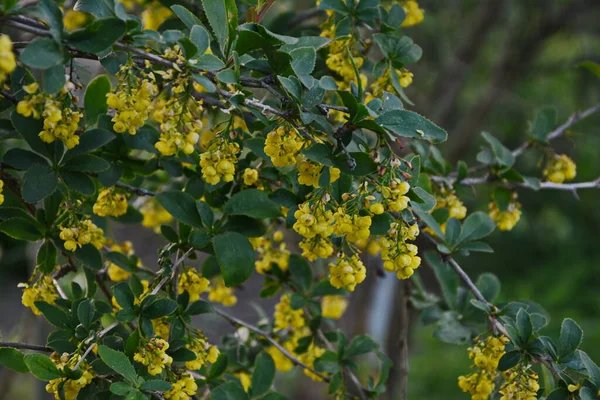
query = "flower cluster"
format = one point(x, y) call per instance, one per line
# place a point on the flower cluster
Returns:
point(353, 226)
point(286, 317)
point(1, 189)
point(42, 290)
point(521, 383)
point(154, 215)
point(183, 389)
point(414, 14)
point(560, 168)
point(341, 56)
point(283, 146)
point(153, 355)
point(154, 15)
point(315, 224)
point(161, 327)
point(219, 293)
point(219, 160)
point(309, 173)
point(179, 127)
point(347, 272)
point(486, 354)
point(204, 351)
point(454, 205)
point(116, 273)
point(270, 253)
point(505, 219)
point(131, 99)
point(397, 255)
point(333, 306)
point(384, 82)
point(110, 202)
point(393, 195)
point(194, 283)
point(82, 233)
point(74, 19)
point(60, 120)
point(8, 63)
point(65, 388)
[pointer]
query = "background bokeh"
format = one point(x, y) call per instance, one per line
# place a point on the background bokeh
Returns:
point(487, 65)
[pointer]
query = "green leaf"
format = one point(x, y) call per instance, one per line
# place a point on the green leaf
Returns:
point(98, 35)
point(20, 229)
point(42, 367)
point(252, 203)
point(594, 68)
point(591, 366)
point(156, 386)
point(453, 229)
point(571, 336)
point(447, 278)
point(263, 375)
point(160, 308)
point(235, 256)
point(450, 330)
point(13, 359)
point(208, 62)
point(199, 307)
point(121, 260)
point(79, 181)
point(39, 181)
point(94, 99)
point(85, 312)
point(89, 256)
point(22, 159)
point(229, 390)
point(218, 367)
point(524, 326)
point(53, 79)
point(300, 271)
point(182, 206)
point(509, 360)
point(545, 121)
point(303, 60)
point(362, 344)
point(186, 16)
point(121, 388)
point(489, 285)
point(91, 140)
point(477, 226)
point(99, 9)
point(46, 257)
point(30, 128)
point(399, 50)
point(118, 362)
point(42, 53)
point(124, 295)
point(216, 13)
point(502, 155)
point(380, 224)
point(87, 163)
point(54, 17)
point(53, 314)
point(409, 124)
point(431, 222)
point(328, 362)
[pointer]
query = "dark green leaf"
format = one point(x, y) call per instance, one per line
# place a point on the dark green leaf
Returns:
point(263, 375)
point(524, 325)
point(13, 359)
point(94, 99)
point(85, 312)
point(20, 229)
point(489, 285)
point(22, 159)
point(217, 18)
point(98, 35)
point(182, 206)
point(89, 256)
point(300, 271)
point(509, 360)
point(98, 8)
point(156, 386)
point(160, 308)
point(42, 367)
point(186, 16)
point(361, 345)
point(39, 181)
point(545, 121)
point(199, 307)
point(235, 256)
point(502, 155)
point(303, 60)
point(118, 362)
point(447, 278)
point(450, 330)
point(253, 203)
point(46, 257)
point(571, 336)
point(230, 390)
point(409, 124)
point(477, 226)
point(42, 53)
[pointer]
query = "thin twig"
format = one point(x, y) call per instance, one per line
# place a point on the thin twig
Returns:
point(25, 346)
point(135, 190)
point(98, 336)
point(173, 268)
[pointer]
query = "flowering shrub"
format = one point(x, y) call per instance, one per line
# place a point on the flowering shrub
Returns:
point(284, 156)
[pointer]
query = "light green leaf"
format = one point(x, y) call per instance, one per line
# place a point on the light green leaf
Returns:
point(13, 359)
point(362, 344)
point(186, 16)
point(42, 367)
point(477, 226)
point(571, 336)
point(303, 60)
point(217, 18)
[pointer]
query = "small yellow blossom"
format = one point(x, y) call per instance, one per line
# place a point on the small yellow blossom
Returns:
point(219, 293)
point(309, 173)
point(507, 219)
point(82, 233)
point(283, 146)
point(205, 352)
point(8, 62)
point(154, 15)
point(194, 283)
point(414, 14)
point(250, 176)
point(333, 306)
point(486, 354)
point(245, 379)
point(184, 389)
point(110, 202)
point(219, 160)
point(42, 290)
point(154, 215)
point(521, 383)
point(65, 388)
point(116, 273)
point(560, 168)
point(161, 328)
point(286, 317)
point(347, 272)
point(153, 355)
point(1, 189)
point(397, 255)
point(74, 19)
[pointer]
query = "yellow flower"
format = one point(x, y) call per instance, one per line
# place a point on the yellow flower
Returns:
point(560, 169)
point(333, 306)
point(316, 247)
point(250, 176)
point(82, 233)
point(154, 215)
point(1, 195)
point(116, 273)
point(219, 293)
point(309, 173)
point(153, 355)
point(205, 352)
point(313, 221)
point(269, 254)
point(245, 379)
point(154, 15)
point(161, 327)
point(397, 255)
point(282, 363)
point(110, 202)
point(414, 14)
point(8, 63)
point(522, 384)
point(65, 388)
point(354, 227)
point(486, 354)
point(184, 389)
point(194, 283)
point(507, 219)
point(394, 195)
point(384, 82)
point(74, 19)
point(179, 127)
point(286, 317)
point(42, 290)
point(347, 272)
point(308, 358)
point(283, 146)
point(219, 160)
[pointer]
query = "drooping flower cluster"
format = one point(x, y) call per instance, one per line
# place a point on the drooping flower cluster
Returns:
point(505, 219)
point(65, 388)
point(347, 272)
point(42, 290)
point(353, 226)
point(219, 160)
point(154, 215)
point(485, 353)
point(315, 224)
point(454, 205)
point(286, 317)
point(309, 173)
point(205, 352)
point(397, 255)
point(110, 202)
point(116, 273)
point(393, 195)
point(339, 60)
point(283, 146)
point(219, 293)
point(183, 389)
point(333, 306)
point(153, 355)
point(131, 99)
point(8, 63)
point(60, 119)
point(414, 14)
point(385, 81)
point(560, 168)
point(270, 253)
point(192, 282)
point(521, 383)
point(82, 233)
point(1, 189)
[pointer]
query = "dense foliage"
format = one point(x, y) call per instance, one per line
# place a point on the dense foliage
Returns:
point(283, 156)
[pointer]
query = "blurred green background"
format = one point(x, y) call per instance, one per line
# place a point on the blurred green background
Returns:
point(487, 65)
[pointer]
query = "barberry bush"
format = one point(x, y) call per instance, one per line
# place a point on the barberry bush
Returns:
point(254, 153)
